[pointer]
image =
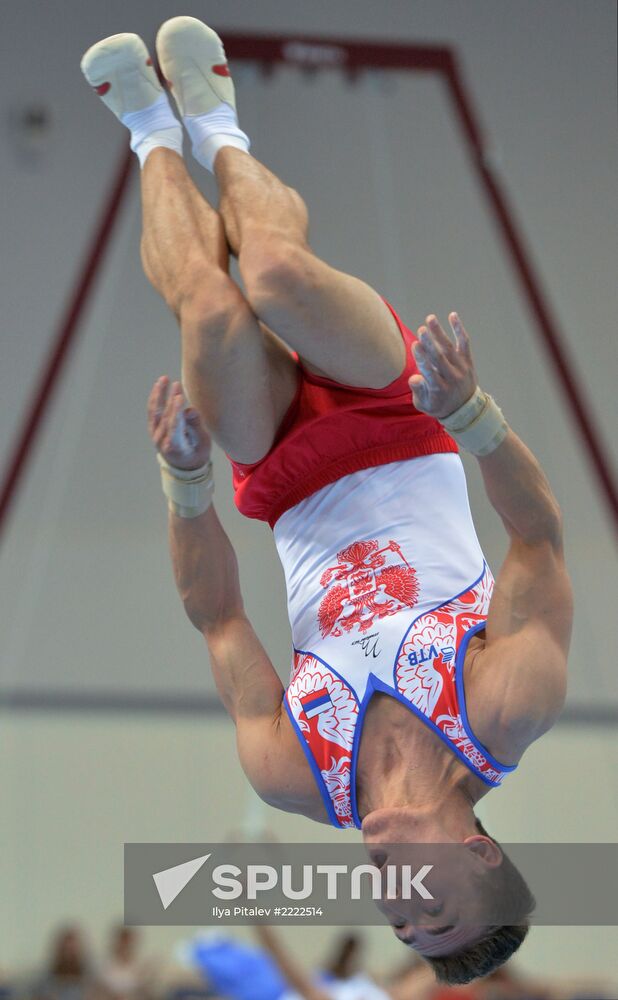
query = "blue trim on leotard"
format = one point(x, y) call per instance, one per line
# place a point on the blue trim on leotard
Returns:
point(461, 697)
point(379, 686)
point(317, 774)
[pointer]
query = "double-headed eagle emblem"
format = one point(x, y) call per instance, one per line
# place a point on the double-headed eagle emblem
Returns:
point(365, 587)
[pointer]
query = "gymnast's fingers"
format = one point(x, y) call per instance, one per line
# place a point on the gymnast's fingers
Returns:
point(156, 403)
point(440, 338)
point(461, 336)
point(427, 359)
point(177, 390)
point(167, 414)
point(421, 357)
point(176, 405)
point(431, 351)
point(420, 393)
point(159, 435)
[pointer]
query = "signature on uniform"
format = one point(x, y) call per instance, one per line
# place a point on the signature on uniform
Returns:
point(369, 644)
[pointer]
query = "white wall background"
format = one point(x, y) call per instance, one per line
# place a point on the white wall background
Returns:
point(86, 597)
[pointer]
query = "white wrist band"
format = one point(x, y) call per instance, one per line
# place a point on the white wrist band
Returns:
point(479, 425)
point(189, 491)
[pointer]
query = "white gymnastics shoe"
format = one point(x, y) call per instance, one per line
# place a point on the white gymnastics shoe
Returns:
point(120, 70)
point(193, 62)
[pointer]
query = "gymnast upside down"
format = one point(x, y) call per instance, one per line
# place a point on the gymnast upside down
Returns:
point(417, 681)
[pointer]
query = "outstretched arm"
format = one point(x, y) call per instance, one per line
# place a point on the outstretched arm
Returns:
point(206, 573)
point(529, 621)
point(206, 568)
point(531, 611)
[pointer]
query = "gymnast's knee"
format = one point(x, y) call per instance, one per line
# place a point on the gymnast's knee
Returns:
point(277, 270)
point(209, 305)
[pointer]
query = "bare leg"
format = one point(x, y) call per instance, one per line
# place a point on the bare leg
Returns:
point(339, 325)
point(235, 372)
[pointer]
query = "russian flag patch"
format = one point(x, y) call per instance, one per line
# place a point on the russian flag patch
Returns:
point(316, 702)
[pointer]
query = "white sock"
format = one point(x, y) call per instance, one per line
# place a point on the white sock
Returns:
point(153, 127)
point(211, 131)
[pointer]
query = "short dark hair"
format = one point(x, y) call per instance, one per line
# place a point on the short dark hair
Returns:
point(496, 948)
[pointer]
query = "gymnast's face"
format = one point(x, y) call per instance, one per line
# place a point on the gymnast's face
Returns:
point(456, 916)
point(443, 925)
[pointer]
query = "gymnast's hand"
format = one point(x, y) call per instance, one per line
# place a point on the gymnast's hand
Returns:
point(177, 429)
point(447, 377)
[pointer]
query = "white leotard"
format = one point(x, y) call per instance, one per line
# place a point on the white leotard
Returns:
point(386, 582)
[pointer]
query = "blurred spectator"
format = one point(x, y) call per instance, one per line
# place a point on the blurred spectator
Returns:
point(124, 975)
point(346, 958)
point(224, 968)
point(6, 986)
point(235, 970)
point(69, 974)
point(351, 984)
point(238, 971)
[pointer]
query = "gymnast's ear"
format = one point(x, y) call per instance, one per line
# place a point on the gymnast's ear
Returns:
point(486, 849)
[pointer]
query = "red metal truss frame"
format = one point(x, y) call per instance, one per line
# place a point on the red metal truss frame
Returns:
point(311, 54)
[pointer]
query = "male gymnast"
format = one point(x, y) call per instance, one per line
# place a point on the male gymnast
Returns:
point(342, 428)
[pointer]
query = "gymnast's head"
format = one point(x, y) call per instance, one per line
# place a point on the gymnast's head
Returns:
point(479, 912)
